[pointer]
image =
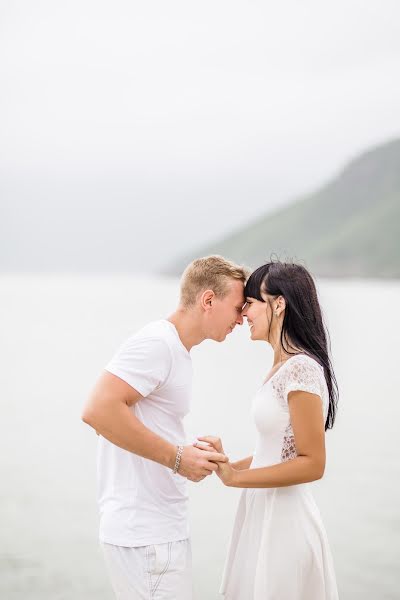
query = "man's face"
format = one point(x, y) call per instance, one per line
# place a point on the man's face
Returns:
point(226, 312)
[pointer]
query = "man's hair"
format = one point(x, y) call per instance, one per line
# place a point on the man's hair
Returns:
point(209, 273)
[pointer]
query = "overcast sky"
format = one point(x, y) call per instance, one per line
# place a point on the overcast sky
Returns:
point(198, 115)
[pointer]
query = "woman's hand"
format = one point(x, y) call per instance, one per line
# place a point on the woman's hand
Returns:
point(213, 441)
point(226, 473)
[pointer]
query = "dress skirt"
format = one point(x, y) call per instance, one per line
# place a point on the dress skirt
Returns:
point(279, 549)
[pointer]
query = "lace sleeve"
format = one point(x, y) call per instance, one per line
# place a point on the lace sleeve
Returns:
point(304, 375)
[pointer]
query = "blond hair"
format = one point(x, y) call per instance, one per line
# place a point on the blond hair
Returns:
point(209, 273)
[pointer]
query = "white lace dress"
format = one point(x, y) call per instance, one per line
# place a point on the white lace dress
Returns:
point(279, 549)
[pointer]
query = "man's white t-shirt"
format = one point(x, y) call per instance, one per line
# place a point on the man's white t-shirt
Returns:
point(142, 502)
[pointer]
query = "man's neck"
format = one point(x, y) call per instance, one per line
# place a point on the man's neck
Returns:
point(188, 328)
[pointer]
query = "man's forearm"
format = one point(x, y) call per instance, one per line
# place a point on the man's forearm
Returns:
point(123, 428)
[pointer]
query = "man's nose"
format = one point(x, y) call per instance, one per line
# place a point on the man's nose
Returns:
point(239, 320)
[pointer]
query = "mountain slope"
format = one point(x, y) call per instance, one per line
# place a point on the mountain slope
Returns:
point(348, 228)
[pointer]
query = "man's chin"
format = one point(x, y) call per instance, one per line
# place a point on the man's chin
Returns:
point(222, 338)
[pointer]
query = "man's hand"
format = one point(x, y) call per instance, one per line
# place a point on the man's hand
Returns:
point(197, 464)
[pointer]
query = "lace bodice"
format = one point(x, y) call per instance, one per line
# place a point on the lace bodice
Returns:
point(271, 410)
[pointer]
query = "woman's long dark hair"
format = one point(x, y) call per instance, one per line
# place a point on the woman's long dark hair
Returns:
point(303, 327)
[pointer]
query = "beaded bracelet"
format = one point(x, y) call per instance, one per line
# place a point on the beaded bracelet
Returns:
point(178, 459)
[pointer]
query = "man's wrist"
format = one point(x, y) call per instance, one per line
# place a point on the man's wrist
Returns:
point(178, 457)
point(171, 456)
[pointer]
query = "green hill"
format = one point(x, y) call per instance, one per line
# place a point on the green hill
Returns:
point(349, 228)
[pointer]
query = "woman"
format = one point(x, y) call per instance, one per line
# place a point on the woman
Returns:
point(279, 549)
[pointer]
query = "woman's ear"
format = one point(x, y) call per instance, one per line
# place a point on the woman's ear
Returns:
point(279, 305)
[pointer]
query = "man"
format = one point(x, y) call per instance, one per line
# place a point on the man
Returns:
point(137, 407)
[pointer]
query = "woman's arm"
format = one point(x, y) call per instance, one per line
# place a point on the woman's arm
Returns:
point(244, 463)
point(307, 421)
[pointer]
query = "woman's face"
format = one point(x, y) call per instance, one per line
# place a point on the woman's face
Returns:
point(258, 316)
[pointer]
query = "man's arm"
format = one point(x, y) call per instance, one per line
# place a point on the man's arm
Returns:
point(107, 411)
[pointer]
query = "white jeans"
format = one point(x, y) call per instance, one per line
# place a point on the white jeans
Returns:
point(159, 572)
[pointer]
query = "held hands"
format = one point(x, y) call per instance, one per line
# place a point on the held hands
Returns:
point(197, 462)
point(224, 470)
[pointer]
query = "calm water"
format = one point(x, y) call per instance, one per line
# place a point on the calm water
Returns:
point(57, 333)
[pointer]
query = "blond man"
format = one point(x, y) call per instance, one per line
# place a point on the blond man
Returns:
point(137, 407)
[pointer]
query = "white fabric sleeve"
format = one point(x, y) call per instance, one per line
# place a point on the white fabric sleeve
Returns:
point(304, 375)
point(144, 363)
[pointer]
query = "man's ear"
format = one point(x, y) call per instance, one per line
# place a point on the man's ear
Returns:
point(206, 299)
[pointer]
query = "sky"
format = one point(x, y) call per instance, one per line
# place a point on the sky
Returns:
point(172, 123)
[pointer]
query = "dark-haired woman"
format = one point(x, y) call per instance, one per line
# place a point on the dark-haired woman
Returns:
point(279, 549)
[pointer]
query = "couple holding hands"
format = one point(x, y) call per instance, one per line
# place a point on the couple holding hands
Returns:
point(278, 549)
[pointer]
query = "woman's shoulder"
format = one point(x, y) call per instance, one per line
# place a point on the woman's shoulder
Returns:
point(304, 360)
point(304, 368)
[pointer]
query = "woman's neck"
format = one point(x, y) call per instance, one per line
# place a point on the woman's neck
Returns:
point(280, 355)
